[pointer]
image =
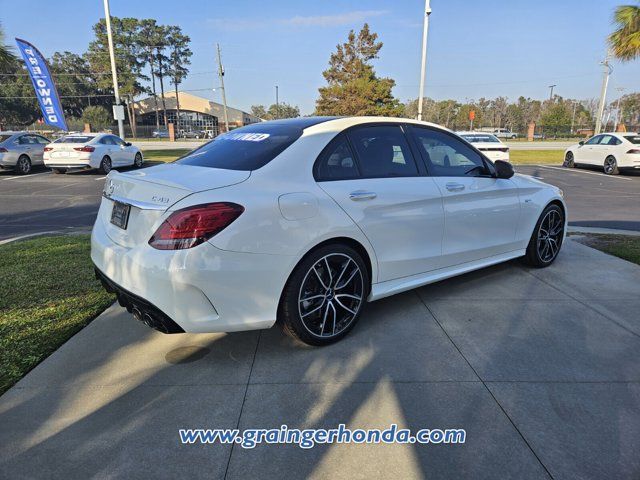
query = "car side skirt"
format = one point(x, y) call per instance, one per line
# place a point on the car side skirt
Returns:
point(398, 285)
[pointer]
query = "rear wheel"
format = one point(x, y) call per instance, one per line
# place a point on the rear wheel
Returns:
point(105, 165)
point(546, 239)
point(137, 161)
point(611, 166)
point(23, 165)
point(569, 160)
point(324, 296)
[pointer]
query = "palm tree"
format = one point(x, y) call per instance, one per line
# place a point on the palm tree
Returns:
point(6, 56)
point(625, 41)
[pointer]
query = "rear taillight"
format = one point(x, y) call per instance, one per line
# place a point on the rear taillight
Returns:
point(48, 149)
point(634, 150)
point(192, 226)
point(3, 150)
point(84, 149)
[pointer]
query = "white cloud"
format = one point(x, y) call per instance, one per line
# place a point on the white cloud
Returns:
point(334, 20)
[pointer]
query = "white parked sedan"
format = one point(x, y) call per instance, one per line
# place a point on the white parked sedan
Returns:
point(488, 144)
point(84, 151)
point(302, 221)
point(611, 151)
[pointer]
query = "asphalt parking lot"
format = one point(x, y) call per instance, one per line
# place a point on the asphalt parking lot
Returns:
point(539, 366)
point(44, 202)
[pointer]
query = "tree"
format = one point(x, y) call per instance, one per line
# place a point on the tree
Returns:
point(625, 40)
point(179, 59)
point(97, 117)
point(282, 110)
point(556, 118)
point(353, 86)
point(6, 55)
point(148, 39)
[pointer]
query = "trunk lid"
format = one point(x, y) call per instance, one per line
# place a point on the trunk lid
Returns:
point(151, 191)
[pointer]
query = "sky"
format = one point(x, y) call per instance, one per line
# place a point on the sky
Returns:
point(475, 48)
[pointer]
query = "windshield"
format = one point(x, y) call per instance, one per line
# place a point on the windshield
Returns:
point(633, 139)
point(246, 148)
point(74, 139)
point(480, 138)
point(5, 137)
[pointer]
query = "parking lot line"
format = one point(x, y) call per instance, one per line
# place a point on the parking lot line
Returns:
point(100, 178)
point(573, 170)
point(21, 177)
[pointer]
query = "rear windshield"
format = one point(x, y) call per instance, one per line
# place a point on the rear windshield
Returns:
point(633, 139)
point(246, 148)
point(74, 139)
point(4, 137)
point(480, 138)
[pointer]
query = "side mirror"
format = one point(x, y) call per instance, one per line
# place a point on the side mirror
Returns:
point(503, 169)
point(581, 142)
point(127, 144)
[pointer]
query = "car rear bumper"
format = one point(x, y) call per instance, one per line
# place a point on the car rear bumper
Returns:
point(201, 289)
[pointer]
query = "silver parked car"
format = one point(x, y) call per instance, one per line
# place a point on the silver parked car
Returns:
point(20, 151)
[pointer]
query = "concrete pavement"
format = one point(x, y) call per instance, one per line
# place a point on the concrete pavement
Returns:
point(541, 367)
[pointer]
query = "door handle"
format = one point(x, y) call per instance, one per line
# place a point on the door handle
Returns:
point(454, 187)
point(362, 195)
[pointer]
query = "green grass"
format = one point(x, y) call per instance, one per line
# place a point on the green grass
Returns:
point(536, 157)
point(626, 247)
point(49, 293)
point(164, 155)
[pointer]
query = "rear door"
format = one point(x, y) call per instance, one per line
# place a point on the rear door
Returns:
point(372, 173)
point(481, 212)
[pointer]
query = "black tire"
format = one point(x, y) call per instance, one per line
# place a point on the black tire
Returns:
point(58, 171)
point(569, 160)
point(546, 235)
point(23, 165)
point(320, 277)
point(610, 166)
point(105, 165)
point(138, 161)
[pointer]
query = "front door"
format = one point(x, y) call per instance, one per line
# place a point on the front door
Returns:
point(481, 211)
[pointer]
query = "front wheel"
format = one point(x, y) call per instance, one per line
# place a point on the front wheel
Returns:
point(138, 161)
point(324, 296)
point(105, 165)
point(23, 166)
point(569, 160)
point(611, 166)
point(546, 239)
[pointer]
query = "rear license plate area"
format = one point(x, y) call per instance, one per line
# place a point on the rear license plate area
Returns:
point(120, 215)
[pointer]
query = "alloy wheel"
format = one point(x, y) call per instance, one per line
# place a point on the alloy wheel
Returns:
point(550, 235)
point(106, 165)
point(24, 165)
point(331, 295)
point(138, 160)
point(568, 160)
point(609, 165)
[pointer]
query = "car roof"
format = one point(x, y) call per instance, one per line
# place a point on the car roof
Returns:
point(338, 124)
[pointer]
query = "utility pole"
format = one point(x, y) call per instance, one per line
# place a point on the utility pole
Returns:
point(277, 104)
point(425, 31)
point(573, 117)
point(114, 73)
point(603, 93)
point(551, 92)
point(224, 95)
point(618, 112)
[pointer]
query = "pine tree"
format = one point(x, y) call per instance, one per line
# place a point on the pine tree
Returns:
point(353, 86)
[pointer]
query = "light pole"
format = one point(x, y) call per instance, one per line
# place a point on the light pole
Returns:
point(425, 31)
point(551, 91)
point(603, 93)
point(277, 104)
point(224, 93)
point(114, 73)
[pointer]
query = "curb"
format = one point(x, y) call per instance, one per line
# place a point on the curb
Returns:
point(610, 231)
point(70, 231)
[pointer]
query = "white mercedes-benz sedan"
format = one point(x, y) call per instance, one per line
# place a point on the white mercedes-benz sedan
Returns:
point(86, 151)
point(488, 144)
point(614, 152)
point(302, 221)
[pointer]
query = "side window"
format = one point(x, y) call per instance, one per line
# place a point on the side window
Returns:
point(614, 141)
point(116, 140)
point(593, 140)
point(606, 140)
point(383, 151)
point(106, 141)
point(23, 140)
point(446, 156)
point(42, 140)
point(336, 162)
